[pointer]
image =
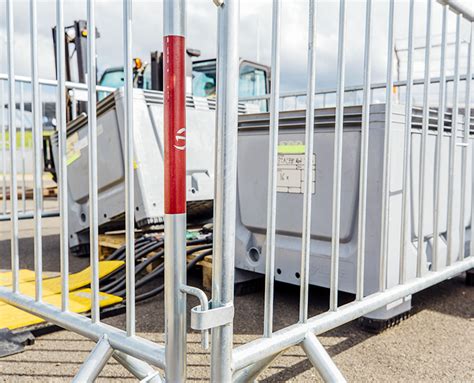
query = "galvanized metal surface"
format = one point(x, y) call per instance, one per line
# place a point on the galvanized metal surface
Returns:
point(370, 260)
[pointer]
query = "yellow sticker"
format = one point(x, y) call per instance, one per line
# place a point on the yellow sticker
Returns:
point(291, 149)
point(72, 152)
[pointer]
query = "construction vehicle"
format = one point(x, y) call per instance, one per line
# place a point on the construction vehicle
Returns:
point(148, 123)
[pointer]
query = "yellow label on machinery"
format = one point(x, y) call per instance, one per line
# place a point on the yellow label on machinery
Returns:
point(72, 151)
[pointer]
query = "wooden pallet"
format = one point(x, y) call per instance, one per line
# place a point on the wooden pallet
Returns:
point(110, 242)
point(49, 192)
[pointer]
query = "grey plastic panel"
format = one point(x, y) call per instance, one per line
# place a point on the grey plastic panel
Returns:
point(252, 189)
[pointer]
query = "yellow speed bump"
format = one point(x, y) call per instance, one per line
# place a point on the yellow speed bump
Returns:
point(25, 276)
point(79, 302)
point(52, 286)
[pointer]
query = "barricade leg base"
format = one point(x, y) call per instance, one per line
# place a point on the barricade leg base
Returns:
point(138, 368)
point(95, 362)
point(250, 373)
point(376, 326)
point(321, 360)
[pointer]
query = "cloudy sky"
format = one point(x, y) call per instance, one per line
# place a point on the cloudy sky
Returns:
point(255, 34)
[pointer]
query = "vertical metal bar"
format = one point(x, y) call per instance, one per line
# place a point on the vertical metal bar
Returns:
point(272, 172)
point(386, 151)
point(12, 130)
point(92, 133)
point(407, 147)
point(452, 143)
point(174, 46)
point(225, 193)
point(424, 137)
point(37, 154)
point(129, 177)
point(439, 141)
point(467, 123)
point(308, 174)
point(364, 153)
point(338, 135)
point(22, 146)
point(4, 148)
point(41, 114)
point(471, 248)
point(62, 135)
point(72, 93)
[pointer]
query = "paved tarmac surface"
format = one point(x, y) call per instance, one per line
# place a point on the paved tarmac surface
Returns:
point(436, 344)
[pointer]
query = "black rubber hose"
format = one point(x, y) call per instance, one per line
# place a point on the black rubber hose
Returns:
point(113, 287)
point(119, 283)
point(159, 289)
point(121, 249)
point(160, 268)
point(139, 252)
point(198, 258)
point(141, 247)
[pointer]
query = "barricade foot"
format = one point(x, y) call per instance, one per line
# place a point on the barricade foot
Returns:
point(376, 326)
point(95, 362)
point(138, 368)
point(250, 373)
point(321, 360)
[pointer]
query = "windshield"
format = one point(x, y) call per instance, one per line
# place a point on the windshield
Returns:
point(112, 78)
point(252, 82)
point(204, 79)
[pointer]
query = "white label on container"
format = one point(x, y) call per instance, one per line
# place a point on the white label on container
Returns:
point(290, 173)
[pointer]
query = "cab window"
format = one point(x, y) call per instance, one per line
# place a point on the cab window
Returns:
point(113, 79)
point(252, 81)
point(204, 79)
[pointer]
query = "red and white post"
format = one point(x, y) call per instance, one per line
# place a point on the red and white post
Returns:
point(174, 51)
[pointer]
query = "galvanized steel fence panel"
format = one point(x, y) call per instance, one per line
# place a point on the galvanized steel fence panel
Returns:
point(246, 361)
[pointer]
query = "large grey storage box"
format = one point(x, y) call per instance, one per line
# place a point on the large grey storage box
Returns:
point(252, 196)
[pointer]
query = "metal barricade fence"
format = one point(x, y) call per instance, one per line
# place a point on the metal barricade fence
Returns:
point(135, 353)
point(249, 360)
point(244, 362)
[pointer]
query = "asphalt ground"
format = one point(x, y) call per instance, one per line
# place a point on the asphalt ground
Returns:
point(435, 344)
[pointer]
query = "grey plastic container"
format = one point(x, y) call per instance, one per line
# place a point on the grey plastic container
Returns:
point(252, 198)
point(148, 160)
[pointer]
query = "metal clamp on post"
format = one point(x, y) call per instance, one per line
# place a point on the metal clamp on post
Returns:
point(212, 317)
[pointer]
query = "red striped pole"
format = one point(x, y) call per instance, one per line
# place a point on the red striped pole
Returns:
point(175, 124)
point(174, 50)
